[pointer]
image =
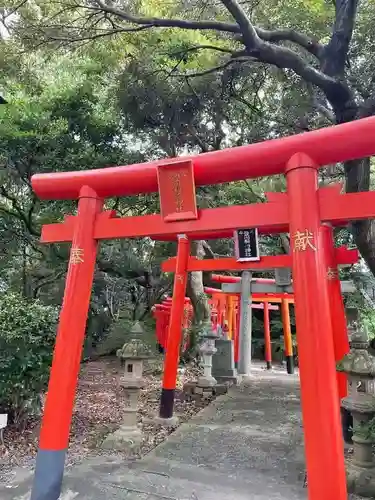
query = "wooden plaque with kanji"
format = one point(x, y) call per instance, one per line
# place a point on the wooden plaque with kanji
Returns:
point(177, 191)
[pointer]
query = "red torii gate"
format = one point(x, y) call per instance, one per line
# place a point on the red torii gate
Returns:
point(234, 328)
point(304, 208)
point(337, 256)
point(161, 313)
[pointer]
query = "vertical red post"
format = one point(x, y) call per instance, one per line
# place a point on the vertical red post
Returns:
point(165, 328)
point(54, 436)
point(267, 336)
point(320, 408)
point(338, 318)
point(288, 343)
point(175, 329)
point(236, 346)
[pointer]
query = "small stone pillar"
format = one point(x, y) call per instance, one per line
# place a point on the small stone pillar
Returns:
point(359, 364)
point(223, 369)
point(207, 350)
point(129, 435)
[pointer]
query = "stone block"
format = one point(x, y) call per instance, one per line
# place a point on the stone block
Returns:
point(124, 438)
point(227, 380)
point(189, 388)
point(220, 389)
point(206, 381)
point(223, 360)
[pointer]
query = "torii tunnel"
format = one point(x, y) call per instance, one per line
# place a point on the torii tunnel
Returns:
point(305, 211)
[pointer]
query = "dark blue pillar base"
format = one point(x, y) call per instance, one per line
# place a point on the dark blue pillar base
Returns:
point(290, 364)
point(166, 403)
point(48, 476)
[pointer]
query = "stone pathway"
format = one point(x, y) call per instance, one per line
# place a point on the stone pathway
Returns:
point(246, 445)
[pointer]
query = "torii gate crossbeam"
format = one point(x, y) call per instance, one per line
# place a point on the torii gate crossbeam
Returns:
point(336, 144)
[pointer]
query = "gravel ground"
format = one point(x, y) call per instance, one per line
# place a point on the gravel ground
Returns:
point(98, 411)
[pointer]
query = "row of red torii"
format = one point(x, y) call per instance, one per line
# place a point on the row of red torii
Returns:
point(307, 212)
point(225, 317)
point(225, 309)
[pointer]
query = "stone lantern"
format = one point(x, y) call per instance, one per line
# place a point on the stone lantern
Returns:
point(132, 355)
point(207, 350)
point(359, 364)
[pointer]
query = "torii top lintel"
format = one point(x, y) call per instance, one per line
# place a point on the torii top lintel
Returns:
point(325, 146)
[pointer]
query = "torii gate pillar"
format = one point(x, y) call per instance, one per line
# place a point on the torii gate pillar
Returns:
point(54, 435)
point(320, 403)
point(174, 334)
point(338, 318)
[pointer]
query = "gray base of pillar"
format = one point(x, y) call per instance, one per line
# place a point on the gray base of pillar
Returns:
point(165, 422)
point(246, 380)
point(124, 438)
point(231, 380)
point(206, 381)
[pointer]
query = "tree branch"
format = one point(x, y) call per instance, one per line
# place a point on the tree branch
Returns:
point(250, 36)
point(261, 45)
point(284, 58)
point(287, 35)
point(201, 47)
point(18, 212)
point(208, 250)
point(274, 36)
point(169, 23)
point(214, 69)
point(336, 52)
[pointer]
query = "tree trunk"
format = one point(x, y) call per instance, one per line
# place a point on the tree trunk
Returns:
point(357, 174)
point(195, 288)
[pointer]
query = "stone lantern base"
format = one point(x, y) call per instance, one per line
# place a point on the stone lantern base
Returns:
point(124, 438)
point(360, 481)
point(128, 435)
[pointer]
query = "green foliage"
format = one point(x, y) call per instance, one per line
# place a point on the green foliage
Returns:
point(117, 335)
point(27, 335)
point(368, 319)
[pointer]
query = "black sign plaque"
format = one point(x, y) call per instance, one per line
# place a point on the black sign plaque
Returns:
point(246, 245)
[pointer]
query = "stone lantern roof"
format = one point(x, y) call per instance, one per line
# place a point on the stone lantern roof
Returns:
point(135, 348)
point(358, 362)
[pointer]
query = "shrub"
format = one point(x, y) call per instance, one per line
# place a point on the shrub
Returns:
point(27, 335)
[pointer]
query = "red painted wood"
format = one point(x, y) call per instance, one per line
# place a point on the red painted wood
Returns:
point(320, 407)
point(176, 318)
point(177, 191)
point(261, 214)
point(216, 235)
point(72, 326)
point(229, 263)
point(337, 310)
point(342, 256)
point(327, 145)
point(342, 208)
